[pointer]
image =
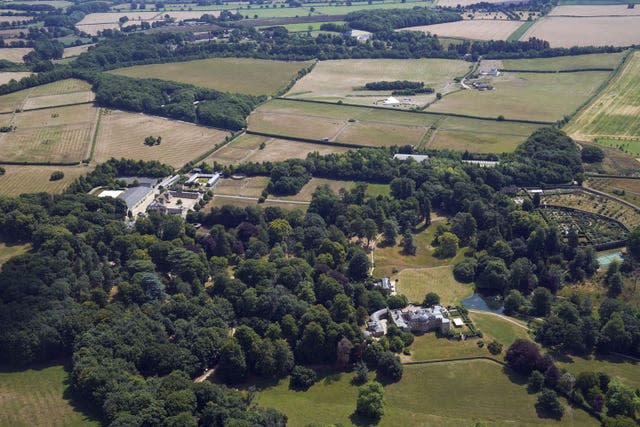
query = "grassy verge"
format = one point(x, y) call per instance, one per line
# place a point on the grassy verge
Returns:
point(515, 36)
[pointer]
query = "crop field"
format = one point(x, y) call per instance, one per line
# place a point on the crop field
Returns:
point(6, 77)
point(35, 179)
point(122, 134)
point(454, 3)
point(561, 31)
point(528, 96)
point(594, 10)
point(416, 282)
point(72, 114)
point(343, 80)
point(63, 92)
point(75, 50)
point(39, 396)
point(626, 189)
point(596, 204)
point(323, 9)
point(615, 112)
point(61, 87)
point(479, 136)
point(241, 75)
point(281, 149)
point(562, 63)
point(426, 395)
point(14, 54)
point(471, 29)
point(46, 101)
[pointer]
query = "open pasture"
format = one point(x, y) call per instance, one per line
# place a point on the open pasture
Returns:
point(479, 136)
point(625, 369)
point(594, 10)
point(14, 54)
point(486, 29)
point(615, 162)
point(426, 395)
point(241, 75)
point(122, 134)
point(247, 187)
point(39, 396)
point(562, 31)
point(527, 96)
point(563, 63)
point(415, 283)
point(75, 50)
point(6, 77)
point(61, 87)
point(615, 112)
point(45, 101)
point(35, 179)
point(343, 80)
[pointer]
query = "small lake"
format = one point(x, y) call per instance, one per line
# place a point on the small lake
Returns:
point(478, 302)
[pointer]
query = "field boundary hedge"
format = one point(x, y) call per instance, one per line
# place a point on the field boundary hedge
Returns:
point(571, 70)
point(14, 163)
point(309, 140)
point(57, 106)
point(457, 359)
point(433, 113)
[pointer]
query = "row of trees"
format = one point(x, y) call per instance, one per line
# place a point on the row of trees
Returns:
point(386, 20)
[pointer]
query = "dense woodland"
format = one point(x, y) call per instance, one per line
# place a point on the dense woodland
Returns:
point(379, 20)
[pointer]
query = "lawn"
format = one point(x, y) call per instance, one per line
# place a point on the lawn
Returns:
point(35, 179)
point(614, 113)
point(241, 75)
point(499, 328)
point(306, 193)
point(622, 368)
point(343, 80)
point(526, 96)
point(560, 63)
point(426, 395)
point(390, 258)
point(416, 282)
point(38, 397)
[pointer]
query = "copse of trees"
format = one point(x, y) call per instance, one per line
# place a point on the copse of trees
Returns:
point(379, 20)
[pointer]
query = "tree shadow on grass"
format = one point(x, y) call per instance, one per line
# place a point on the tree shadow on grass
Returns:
point(78, 402)
point(514, 376)
point(359, 420)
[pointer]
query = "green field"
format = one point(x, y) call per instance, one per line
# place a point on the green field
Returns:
point(241, 75)
point(445, 394)
point(39, 397)
point(526, 96)
point(615, 112)
point(304, 27)
point(624, 369)
point(322, 9)
point(626, 146)
point(515, 36)
point(561, 63)
point(416, 282)
point(343, 80)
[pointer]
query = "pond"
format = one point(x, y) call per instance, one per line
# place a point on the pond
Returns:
point(482, 303)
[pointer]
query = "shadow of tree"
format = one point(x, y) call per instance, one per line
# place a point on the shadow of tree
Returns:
point(359, 420)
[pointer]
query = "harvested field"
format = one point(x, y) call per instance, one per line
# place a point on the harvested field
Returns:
point(60, 87)
point(242, 75)
point(474, 30)
point(94, 29)
point(586, 31)
point(73, 114)
point(562, 63)
point(626, 189)
point(343, 80)
point(113, 17)
point(182, 15)
point(594, 10)
point(6, 77)
point(46, 101)
point(6, 18)
point(75, 50)
point(596, 204)
point(378, 134)
point(122, 134)
point(526, 96)
point(454, 3)
point(615, 112)
point(14, 54)
point(35, 179)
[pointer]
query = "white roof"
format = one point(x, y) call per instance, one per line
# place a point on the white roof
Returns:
point(458, 321)
point(391, 100)
point(110, 193)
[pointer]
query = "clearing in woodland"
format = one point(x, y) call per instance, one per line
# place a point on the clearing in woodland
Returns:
point(615, 112)
point(526, 96)
point(122, 134)
point(483, 29)
point(564, 31)
point(14, 54)
point(246, 148)
point(426, 395)
point(24, 179)
point(239, 75)
point(344, 80)
point(415, 283)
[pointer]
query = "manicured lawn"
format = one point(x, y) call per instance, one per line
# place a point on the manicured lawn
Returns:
point(242, 75)
point(38, 397)
point(444, 394)
point(387, 258)
point(415, 283)
point(378, 190)
point(498, 328)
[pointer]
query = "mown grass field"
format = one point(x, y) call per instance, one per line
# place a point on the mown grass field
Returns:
point(444, 394)
point(343, 80)
point(615, 112)
point(415, 283)
point(310, 187)
point(525, 96)
point(248, 187)
point(388, 258)
point(39, 397)
point(241, 75)
point(373, 127)
point(625, 369)
point(561, 63)
point(35, 179)
point(122, 134)
point(471, 29)
point(627, 189)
